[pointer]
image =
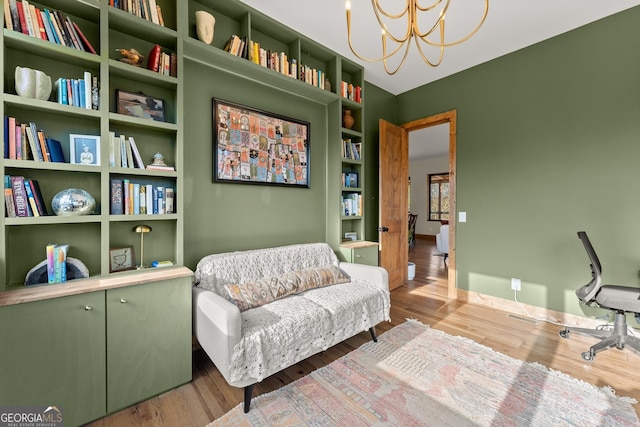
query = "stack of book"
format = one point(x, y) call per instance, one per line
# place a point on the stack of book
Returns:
point(23, 141)
point(123, 152)
point(350, 150)
point(23, 198)
point(77, 92)
point(352, 204)
point(134, 198)
point(45, 24)
point(145, 9)
point(350, 179)
point(350, 91)
point(57, 262)
point(163, 62)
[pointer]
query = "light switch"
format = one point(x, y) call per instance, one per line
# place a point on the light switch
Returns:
point(462, 217)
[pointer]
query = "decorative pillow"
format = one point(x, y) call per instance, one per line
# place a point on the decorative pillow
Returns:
point(254, 294)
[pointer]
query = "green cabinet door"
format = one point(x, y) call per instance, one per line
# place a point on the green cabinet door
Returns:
point(148, 340)
point(52, 353)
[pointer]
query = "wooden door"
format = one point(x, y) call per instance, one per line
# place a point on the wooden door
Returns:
point(394, 211)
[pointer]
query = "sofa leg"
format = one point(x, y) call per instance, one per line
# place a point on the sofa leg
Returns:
point(248, 390)
point(373, 334)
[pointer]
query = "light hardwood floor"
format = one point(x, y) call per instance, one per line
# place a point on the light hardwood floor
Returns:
point(208, 396)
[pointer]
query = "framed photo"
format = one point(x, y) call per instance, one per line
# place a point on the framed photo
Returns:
point(139, 105)
point(84, 149)
point(121, 259)
point(256, 147)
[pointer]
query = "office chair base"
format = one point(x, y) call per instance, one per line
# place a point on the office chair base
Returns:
point(617, 337)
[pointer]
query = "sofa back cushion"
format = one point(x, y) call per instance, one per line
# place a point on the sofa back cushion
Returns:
point(215, 271)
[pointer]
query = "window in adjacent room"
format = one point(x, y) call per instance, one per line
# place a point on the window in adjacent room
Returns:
point(438, 197)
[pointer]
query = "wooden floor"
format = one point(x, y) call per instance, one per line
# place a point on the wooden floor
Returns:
point(208, 396)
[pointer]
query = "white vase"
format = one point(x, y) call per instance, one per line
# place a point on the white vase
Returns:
point(205, 23)
point(32, 83)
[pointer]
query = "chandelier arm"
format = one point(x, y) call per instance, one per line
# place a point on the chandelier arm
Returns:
point(377, 9)
point(424, 56)
point(427, 8)
point(404, 58)
point(364, 58)
point(441, 17)
point(424, 37)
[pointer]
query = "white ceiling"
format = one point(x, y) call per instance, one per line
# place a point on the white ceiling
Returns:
point(510, 25)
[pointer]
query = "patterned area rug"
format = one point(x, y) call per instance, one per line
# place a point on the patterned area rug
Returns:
point(418, 376)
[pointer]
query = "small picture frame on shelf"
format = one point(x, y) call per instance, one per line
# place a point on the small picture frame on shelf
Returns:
point(121, 259)
point(137, 104)
point(84, 149)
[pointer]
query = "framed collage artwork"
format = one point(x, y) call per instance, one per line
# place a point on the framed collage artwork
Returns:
point(255, 147)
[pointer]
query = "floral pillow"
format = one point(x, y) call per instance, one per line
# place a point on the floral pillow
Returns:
point(254, 294)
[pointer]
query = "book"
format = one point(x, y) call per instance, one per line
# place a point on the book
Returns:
point(154, 58)
point(34, 143)
point(136, 154)
point(160, 168)
point(31, 199)
point(127, 144)
point(160, 18)
point(26, 7)
point(23, 23)
point(41, 26)
point(11, 123)
point(87, 81)
point(60, 262)
point(112, 153)
point(55, 150)
point(169, 200)
point(149, 203)
point(54, 30)
point(136, 198)
point(51, 263)
point(153, 9)
point(37, 193)
point(7, 16)
point(84, 40)
point(116, 204)
point(15, 17)
point(10, 207)
point(43, 145)
point(143, 199)
point(126, 196)
point(20, 196)
point(95, 94)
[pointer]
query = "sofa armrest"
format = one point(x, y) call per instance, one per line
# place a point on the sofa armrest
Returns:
point(217, 326)
point(370, 273)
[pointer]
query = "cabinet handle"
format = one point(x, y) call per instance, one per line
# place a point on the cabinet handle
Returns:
point(88, 308)
point(358, 256)
point(123, 300)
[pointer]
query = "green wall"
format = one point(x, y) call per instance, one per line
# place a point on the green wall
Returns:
point(227, 217)
point(548, 144)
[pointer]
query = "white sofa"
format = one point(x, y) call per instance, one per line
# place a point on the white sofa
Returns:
point(248, 346)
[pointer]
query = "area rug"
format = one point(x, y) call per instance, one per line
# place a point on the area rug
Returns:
point(418, 376)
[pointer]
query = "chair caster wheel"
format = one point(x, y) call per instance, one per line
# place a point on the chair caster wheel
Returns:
point(587, 356)
point(564, 333)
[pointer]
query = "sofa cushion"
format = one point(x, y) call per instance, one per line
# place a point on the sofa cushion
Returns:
point(215, 271)
point(260, 292)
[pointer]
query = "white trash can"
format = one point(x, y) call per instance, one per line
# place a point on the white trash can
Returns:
point(412, 271)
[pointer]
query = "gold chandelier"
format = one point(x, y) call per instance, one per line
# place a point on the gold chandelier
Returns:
point(411, 11)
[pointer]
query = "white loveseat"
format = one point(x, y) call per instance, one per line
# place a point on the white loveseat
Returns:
point(248, 346)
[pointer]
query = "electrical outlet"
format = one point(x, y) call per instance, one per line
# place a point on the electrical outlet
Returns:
point(516, 284)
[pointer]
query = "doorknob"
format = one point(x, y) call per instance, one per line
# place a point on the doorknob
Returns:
point(383, 229)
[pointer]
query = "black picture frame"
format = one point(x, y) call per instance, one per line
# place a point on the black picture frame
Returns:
point(252, 146)
point(140, 105)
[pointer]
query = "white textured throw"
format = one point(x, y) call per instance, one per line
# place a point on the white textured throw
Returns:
point(278, 334)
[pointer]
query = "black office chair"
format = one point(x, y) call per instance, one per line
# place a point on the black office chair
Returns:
point(621, 299)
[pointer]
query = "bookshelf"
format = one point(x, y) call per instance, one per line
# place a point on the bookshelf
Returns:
point(90, 237)
point(93, 328)
point(236, 18)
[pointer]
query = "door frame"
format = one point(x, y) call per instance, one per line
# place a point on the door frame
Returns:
point(449, 117)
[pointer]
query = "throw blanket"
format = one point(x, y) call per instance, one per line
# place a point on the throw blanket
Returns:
point(293, 328)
